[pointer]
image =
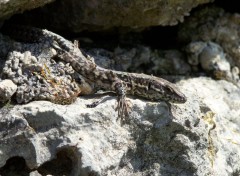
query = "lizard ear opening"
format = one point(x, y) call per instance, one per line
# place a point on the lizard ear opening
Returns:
point(149, 86)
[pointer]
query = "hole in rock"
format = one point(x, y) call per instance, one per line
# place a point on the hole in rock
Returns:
point(61, 165)
point(15, 166)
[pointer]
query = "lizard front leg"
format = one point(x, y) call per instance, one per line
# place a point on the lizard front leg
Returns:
point(122, 106)
point(119, 88)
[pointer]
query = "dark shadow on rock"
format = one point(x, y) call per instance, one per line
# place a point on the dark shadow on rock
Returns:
point(66, 162)
point(15, 166)
point(61, 165)
point(159, 146)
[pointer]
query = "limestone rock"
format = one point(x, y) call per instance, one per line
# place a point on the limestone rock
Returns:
point(199, 137)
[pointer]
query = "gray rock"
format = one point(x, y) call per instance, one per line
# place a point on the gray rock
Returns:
point(199, 137)
point(38, 76)
point(213, 39)
point(34, 173)
point(209, 55)
point(96, 15)
point(141, 59)
point(215, 25)
point(11, 7)
point(7, 89)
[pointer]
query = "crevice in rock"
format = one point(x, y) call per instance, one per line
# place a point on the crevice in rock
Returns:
point(15, 166)
point(230, 5)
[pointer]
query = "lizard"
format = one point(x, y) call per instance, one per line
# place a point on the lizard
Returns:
point(122, 83)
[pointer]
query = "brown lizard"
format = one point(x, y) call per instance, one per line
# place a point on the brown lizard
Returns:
point(122, 83)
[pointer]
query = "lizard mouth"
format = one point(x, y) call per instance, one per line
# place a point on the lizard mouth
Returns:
point(181, 99)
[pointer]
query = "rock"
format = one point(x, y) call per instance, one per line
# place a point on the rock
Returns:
point(212, 24)
point(141, 59)
point(38, 76)
point(11, 7)
point(34, 173)
point(213, 37)
point(168, 62)
point(209, 55)
point(98, 15)
point(7, 89)
point(199, 137)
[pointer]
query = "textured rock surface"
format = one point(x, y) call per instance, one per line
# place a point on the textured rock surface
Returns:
point(11, 7)
point(199, 137)
point(216, 25)
point(38, 76)
point(213, 37)
point(75, 15)
point(213, 60)
point(142, 59)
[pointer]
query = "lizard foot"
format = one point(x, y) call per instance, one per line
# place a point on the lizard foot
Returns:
point(123, 108)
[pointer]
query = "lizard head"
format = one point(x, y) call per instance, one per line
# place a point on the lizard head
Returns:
point(160, 89)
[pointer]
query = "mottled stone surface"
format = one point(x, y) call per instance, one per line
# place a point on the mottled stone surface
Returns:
point(200, 137)
point(11, 7)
